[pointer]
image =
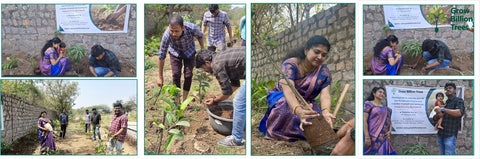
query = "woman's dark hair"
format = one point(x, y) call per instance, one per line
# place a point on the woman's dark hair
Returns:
point(374, 90)
point(384, 43)
point(300, 51)
point(439, 94)
point(50, 43)
point(42, 113)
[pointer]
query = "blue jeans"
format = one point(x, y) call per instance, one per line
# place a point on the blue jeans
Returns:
point(101, 71)
point(239, 106)
point(428, 57)
point(97, 131)
point(447, 145)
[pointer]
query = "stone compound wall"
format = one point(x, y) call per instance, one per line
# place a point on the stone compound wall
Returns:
point(458, 41)
point(26, 28)
point(337, 24)
point(20, 117)
point(464, 139)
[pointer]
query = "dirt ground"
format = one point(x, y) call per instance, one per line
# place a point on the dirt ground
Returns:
point(24, 67)
point(262, 146)
point(200, 138)
point(106, 25)
point(460, 62)
point(76, 142)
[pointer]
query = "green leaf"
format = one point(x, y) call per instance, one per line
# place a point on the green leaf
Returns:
point(183, 106)
point(174, 131)
point(170, 119)
point(183, 123)
point(169, 142)
point(155, 121)
point(161, 126)
point(180, 136)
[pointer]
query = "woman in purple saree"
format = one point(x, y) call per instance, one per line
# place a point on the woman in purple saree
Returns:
point(377, 125)
point(47, 142)
point(305, 70)
point(52, 62)
point(385, 61)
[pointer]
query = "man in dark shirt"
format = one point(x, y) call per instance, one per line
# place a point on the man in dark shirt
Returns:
point(104, 63)
point(453, 112)
point(96, 123)
point(228, 67)
point(436, 53)
point(63, 123)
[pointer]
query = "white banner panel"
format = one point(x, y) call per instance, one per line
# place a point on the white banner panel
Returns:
point(412, 108)
point(92, 18)
point(406, 17)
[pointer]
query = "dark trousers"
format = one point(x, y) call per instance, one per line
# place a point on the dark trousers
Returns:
point(188, 64)
point(87, 127)
point(64, 131)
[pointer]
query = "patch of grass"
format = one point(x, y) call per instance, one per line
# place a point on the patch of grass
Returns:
point(227, 150)
point(150, 64)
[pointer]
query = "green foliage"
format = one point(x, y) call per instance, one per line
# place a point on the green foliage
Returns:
point(413, 48)
point(56, 33)
point(152, 45)
point(150, 64)
point(61, 94)
point(33, 63)
point(173, 116)
point(26, 89)
point(55, 123)
point(386, 29)
point(108, 9)
point(129, 105)
point(76, 53)
point(101, 147)
point(50, 152)
point(201, 77)
point(5, 146)
point(416, 149)
point(11, 63)
point(260, 89)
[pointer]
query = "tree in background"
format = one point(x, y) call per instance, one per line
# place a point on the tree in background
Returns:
point(61, 94)
point(128, 106)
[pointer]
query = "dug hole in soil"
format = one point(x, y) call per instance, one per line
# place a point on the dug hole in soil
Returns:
point(461, 62)
point(81, 70)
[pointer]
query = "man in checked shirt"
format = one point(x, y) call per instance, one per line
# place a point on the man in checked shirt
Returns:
point(118, 130)
point(453, 112)
point(179, 40)
point(217, 20)
point(228, 67)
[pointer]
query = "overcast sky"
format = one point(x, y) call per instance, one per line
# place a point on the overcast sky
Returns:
point(97, 92)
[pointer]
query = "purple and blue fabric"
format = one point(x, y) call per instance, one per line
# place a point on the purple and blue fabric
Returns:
point(280, 123)
point(381, 66)
point(216, 26)
point(59, 69)
point(47, 140)
point(379, 122)
point(183, 45)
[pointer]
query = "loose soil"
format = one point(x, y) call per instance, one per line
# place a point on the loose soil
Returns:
point(199, 138)
point(80, 70)
point(106, 25)
point(262, 146)
point(223, 112)
point(460, 62)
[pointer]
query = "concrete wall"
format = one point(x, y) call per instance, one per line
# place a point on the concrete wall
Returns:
point(20, 117)
point(26, 28)
point(464, 139)
point(458, 41)
point(337, 24)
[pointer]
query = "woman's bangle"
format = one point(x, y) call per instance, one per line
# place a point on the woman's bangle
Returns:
point(349, 124)
point(295, 108)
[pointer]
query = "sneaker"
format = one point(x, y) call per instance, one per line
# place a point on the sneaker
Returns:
point(230, 142)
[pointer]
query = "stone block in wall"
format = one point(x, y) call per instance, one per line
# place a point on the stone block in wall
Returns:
point(348, 75)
